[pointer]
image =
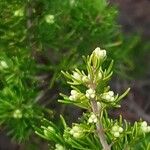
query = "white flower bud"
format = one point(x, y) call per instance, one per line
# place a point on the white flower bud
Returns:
point(116, 130)
point(77, 135)
point(74, 95)
point(49, 19)
point(59, 147)
point(90, 93)
point(17, 114)
point(74, 92)
point(19, 13)
point(99, 53)
point(76, 131)
point(111, 93)
point(92, 119)
point(77, 76)
point(120, 129)
point(112, 99)
point(144, 124)
point(144, 127)
point(116, 134)
point(148, 129)
point(3, 64)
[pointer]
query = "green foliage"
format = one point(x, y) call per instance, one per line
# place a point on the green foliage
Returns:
point(60, 32)
point(94, 130)
point(19, 110)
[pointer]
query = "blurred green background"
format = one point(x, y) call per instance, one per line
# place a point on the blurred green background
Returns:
point(39, 38)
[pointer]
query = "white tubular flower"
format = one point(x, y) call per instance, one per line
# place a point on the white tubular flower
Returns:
point(92, 119)
point(109, 96)
point(90, 93)
point(99, 53)
point(76, 131)
point(3, 64)
point(116, 130)
point(144, 127)
point(74, 95)
point(59, 147)
point(17, 114)
point(50, 19)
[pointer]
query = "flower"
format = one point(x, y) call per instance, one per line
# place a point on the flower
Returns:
point(92, 118)
point(116, 130)
point(74, 95)
point(144, 127)
point(77, 76)
point(90, 93)
point(19, 13)
point(76, 131)
point(17, 114)
point(3, 64)
point(99, 53)
point(109, 96)
point(59, 147)
point(50, 19)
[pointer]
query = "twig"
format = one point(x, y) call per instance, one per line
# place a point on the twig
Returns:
point(99, 127)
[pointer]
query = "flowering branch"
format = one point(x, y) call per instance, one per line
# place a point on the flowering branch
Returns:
point(96, 130)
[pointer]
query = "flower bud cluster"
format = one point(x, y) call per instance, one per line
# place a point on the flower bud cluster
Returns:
point(109, 96)
point(49, 19)
point(59, 147)
point(17, 114)
point(90, 93)
point(144, 126)
point(77, 76)
point(80, 77)
point(116, 130)
point(76, 131)
point(74, 95)
point(19, 12)
point(92, 118)
point(3, 65)
point(100, 54)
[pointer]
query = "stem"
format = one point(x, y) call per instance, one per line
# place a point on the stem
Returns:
point(99, 127)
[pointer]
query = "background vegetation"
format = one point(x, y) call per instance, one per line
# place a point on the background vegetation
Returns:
point(39, 38)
